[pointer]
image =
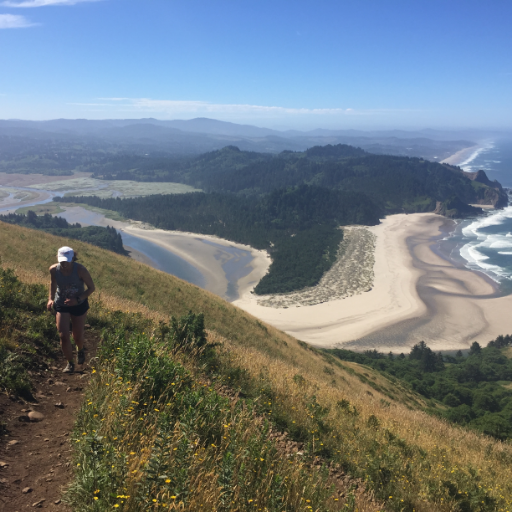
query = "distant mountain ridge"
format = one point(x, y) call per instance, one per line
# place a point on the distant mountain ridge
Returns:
point(194, 136)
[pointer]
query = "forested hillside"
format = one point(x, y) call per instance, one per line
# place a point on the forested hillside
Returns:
point(292, 204)
point(298, 226)
point(106, 238)
point(393, 183)
point(474, 390)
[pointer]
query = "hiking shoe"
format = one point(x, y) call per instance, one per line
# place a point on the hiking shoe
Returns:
point(70, 368)
point(81, 357)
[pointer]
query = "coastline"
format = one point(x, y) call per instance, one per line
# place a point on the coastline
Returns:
point(208, 254)
point(417, 296)
point(463, 155)
point(206, 258)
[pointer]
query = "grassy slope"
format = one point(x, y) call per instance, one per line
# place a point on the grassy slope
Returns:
point(426, 462)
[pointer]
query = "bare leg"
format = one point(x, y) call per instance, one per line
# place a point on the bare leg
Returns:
point(65, 341)
point(78, 324)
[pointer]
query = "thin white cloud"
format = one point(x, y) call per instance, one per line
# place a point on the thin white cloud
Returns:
point(176, 109)
point(204, 107)
point(15, 21)
point(41, 3)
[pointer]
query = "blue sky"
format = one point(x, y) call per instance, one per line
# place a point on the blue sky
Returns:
point(300, 64)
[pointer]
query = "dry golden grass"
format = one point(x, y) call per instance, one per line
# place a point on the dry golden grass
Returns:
point(440, 440)
point(140, 440)
point(264, 351)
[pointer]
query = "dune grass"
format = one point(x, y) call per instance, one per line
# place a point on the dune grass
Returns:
point(345, 414)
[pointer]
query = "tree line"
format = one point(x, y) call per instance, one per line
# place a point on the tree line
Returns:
point(394, 183)
point(474, 390)
point(298, 226)
point(106, 238)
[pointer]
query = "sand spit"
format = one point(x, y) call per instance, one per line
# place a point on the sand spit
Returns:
point(351, 274)
point(207, 258)
point(417, 295)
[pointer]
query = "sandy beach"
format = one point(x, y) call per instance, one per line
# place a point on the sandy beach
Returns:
point(417, 295)
point(208, 258)
point(461, 156)
point(208, 254)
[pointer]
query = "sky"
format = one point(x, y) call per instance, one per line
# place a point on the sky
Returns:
point(281, 64)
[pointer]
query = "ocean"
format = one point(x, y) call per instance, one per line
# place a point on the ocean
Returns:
point(484, 243)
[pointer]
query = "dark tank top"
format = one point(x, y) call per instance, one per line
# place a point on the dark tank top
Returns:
point(68, 287)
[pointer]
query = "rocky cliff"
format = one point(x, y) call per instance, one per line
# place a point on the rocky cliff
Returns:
point(487, 191)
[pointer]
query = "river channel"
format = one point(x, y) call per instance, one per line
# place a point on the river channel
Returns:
point(219, 266)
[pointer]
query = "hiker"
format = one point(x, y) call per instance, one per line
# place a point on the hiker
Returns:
point(68, 298)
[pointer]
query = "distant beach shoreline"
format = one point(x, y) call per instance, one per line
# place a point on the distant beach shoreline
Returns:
point(464, 155)
point(204, 257)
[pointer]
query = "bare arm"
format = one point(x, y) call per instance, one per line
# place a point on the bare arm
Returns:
point(53, 289)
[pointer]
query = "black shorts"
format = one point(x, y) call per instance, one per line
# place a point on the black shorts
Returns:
point(79, 310)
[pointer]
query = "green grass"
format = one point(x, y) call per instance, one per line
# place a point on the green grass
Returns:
point(41, 209)
point(28, 338)
point(155, 433)
point(399, 452)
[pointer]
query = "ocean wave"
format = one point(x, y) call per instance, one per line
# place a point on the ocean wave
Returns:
point(473, 255)
point(493, 219)
point(485, 242)
point(465, 165)
point(499, 243)
point(482, 248)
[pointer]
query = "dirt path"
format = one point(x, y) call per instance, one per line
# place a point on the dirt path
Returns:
point(35, 456)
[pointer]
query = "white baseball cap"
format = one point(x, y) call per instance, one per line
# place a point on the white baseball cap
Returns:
point(65, 254)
